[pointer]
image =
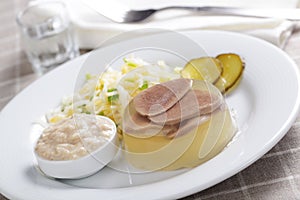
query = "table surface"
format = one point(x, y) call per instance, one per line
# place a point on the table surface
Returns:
point(275, 176)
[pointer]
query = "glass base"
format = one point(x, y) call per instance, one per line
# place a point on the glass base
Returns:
point(43, 69)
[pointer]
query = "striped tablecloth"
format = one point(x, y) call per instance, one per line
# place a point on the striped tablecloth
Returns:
point(275, 176)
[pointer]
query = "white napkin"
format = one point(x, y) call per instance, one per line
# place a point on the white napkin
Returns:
point(92, 29)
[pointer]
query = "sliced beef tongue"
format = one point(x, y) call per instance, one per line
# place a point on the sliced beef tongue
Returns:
point(208, 101)
point(173, 108)
point(193, 104)
point(161, 97)
point(134, 123)
point(187, 126)
point(185, 108)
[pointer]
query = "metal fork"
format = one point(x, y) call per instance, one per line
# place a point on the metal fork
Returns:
point(120, 14)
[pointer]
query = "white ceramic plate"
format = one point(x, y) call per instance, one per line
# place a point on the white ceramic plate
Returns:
point(266, 102)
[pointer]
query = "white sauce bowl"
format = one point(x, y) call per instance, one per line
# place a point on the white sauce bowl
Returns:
point(84, 166)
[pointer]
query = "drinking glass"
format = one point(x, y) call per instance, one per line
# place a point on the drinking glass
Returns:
point(47, 35)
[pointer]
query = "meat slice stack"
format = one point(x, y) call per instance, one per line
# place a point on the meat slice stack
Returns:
point(173, 108)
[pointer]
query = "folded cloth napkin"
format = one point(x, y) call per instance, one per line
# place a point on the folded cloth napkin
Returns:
point(92, 29)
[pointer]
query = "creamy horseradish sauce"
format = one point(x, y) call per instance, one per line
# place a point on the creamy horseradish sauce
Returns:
point(73, 138)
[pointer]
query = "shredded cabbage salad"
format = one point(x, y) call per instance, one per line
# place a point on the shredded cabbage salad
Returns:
point(109, 93)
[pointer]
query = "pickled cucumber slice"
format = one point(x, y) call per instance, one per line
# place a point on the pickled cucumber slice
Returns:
point(204, 68)
point(233, 68)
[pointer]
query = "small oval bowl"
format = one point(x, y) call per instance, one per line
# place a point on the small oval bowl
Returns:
point(84, 166)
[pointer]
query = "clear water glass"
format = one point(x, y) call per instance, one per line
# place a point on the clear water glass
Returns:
point(47, 35)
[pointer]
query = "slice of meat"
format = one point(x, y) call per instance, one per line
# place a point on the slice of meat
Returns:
point(187, 126)
point(134, 123)
point(208, 102)
point(159, 98)
point(194, 103)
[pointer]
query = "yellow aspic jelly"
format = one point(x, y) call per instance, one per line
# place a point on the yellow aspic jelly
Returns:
point(160, 152)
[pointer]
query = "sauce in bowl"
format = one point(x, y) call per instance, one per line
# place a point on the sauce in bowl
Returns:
point(73, 138)
point(77, 147)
